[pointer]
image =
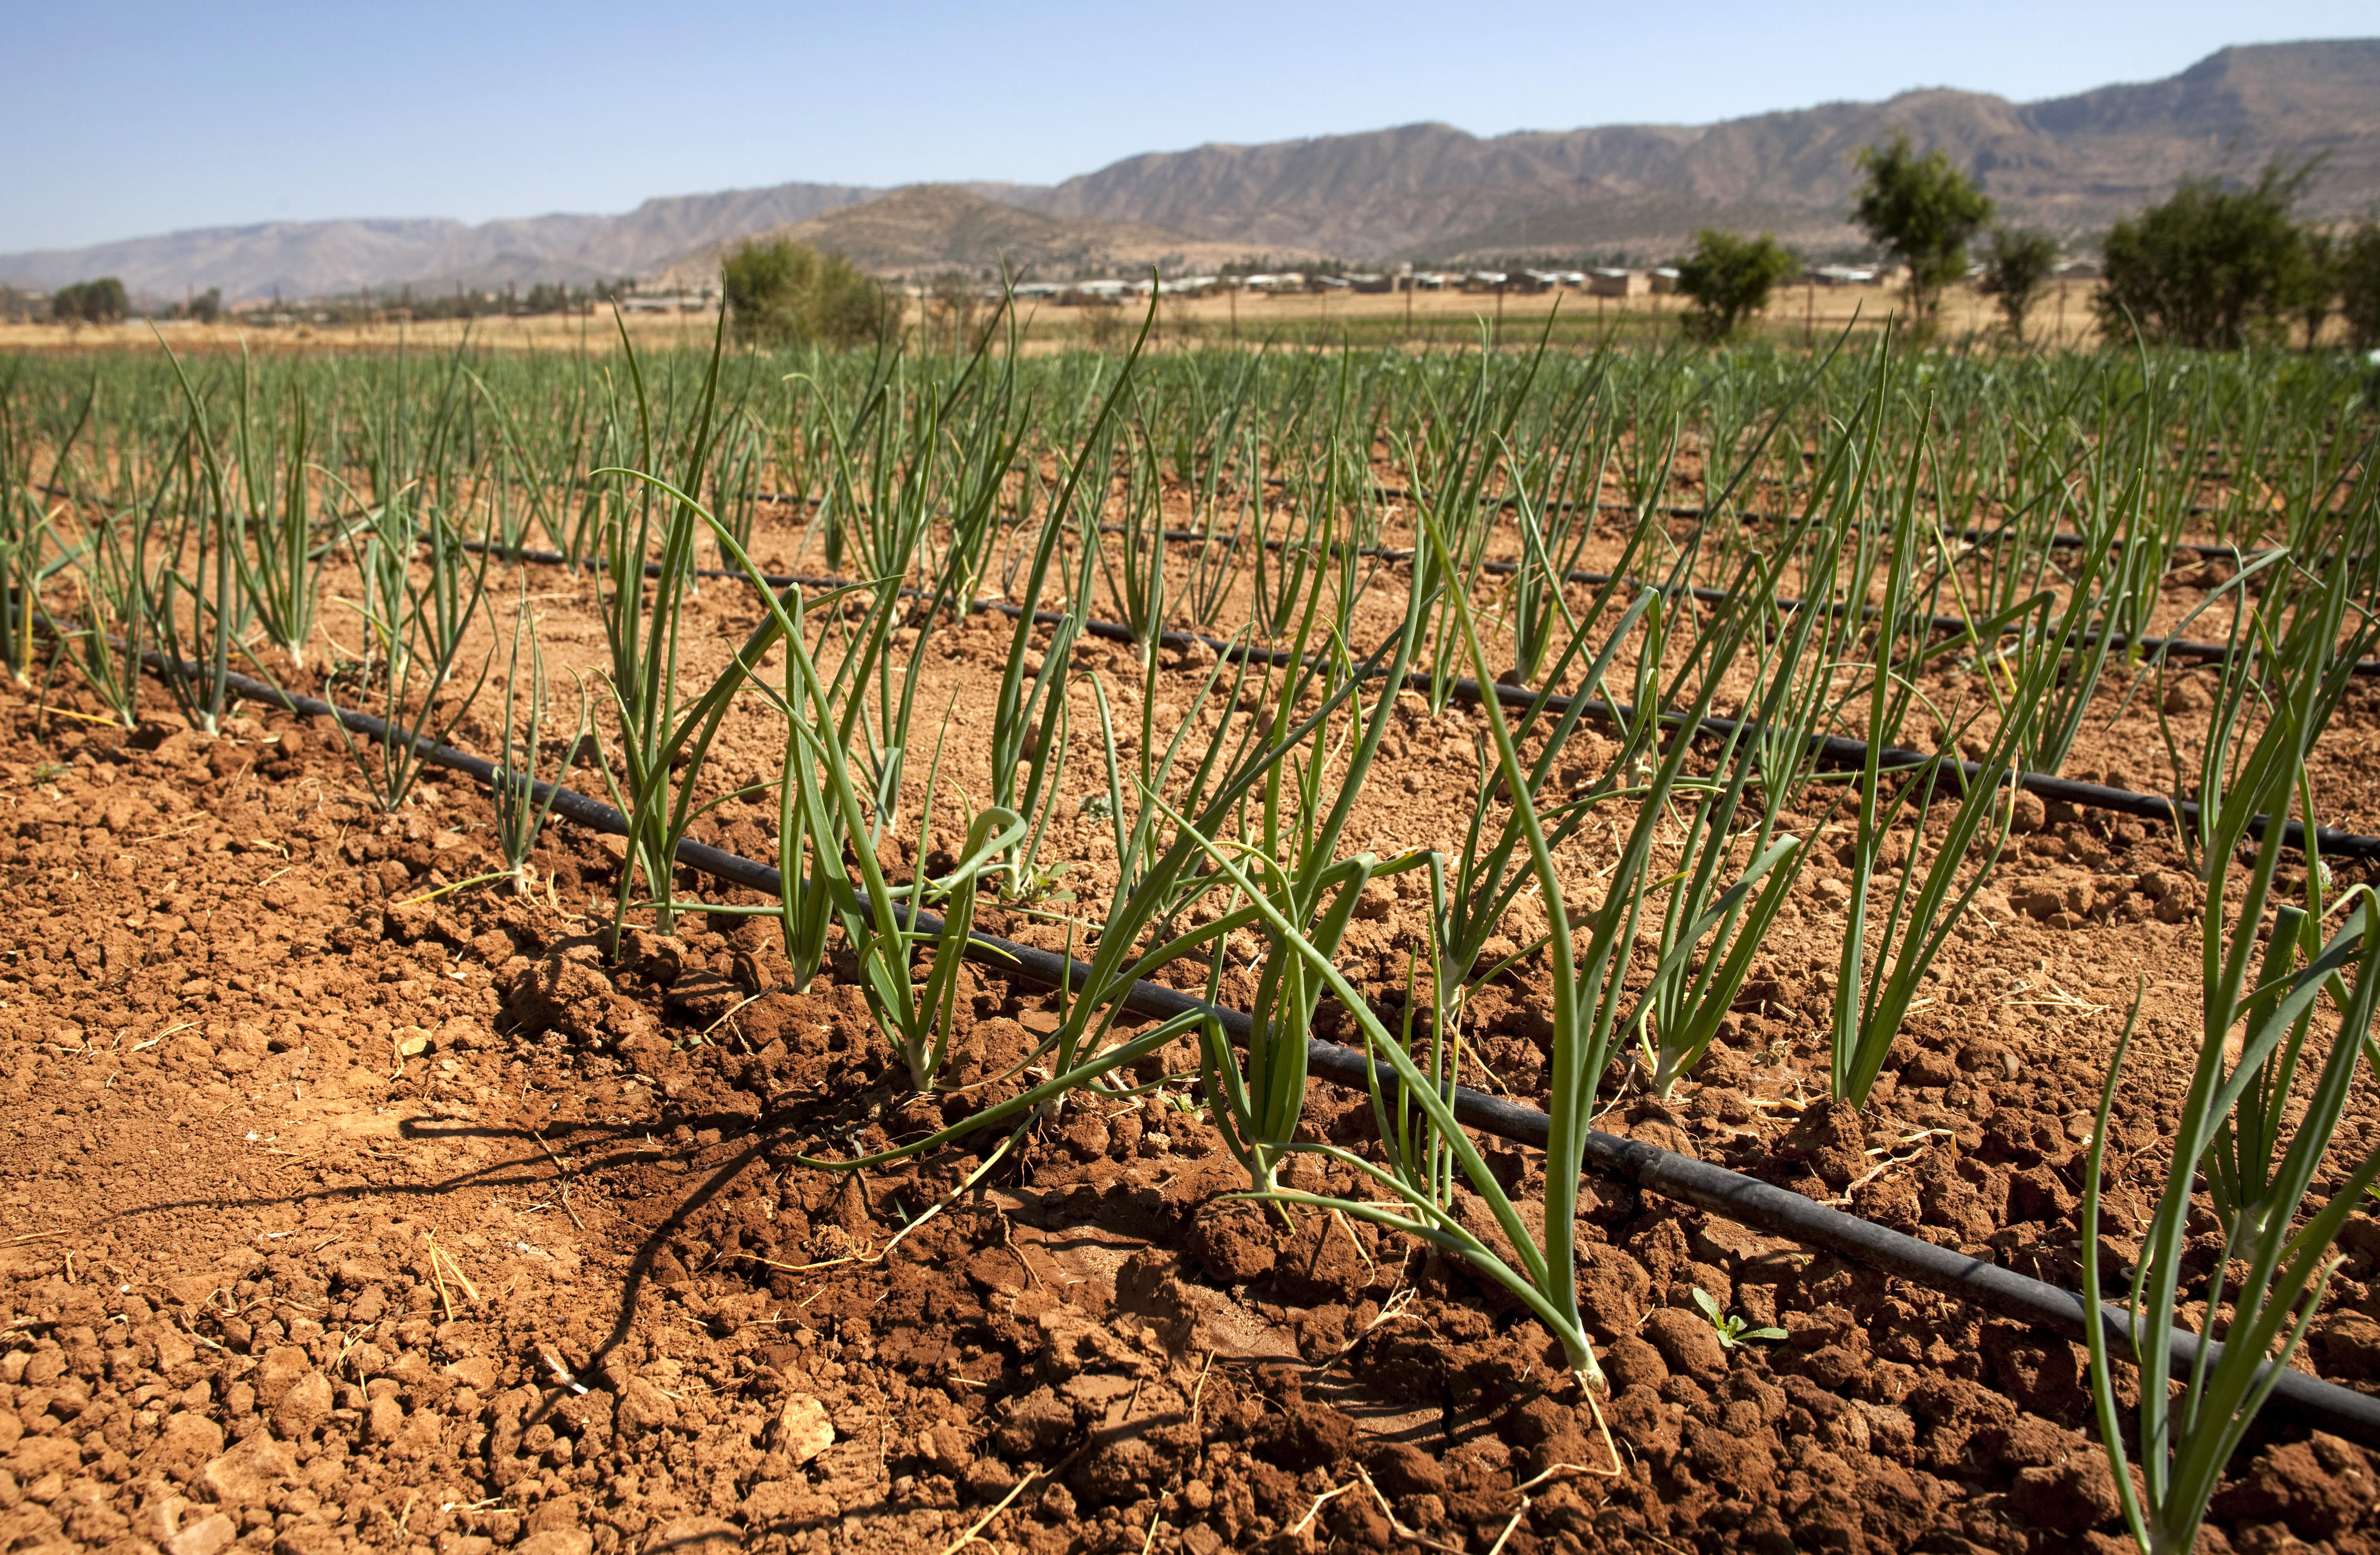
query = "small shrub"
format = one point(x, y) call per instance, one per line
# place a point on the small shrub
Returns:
point(90, 302)
point(2212, 268)
point(2316, 289)
point(2358, 276)
point(1105, 325)
point(2016, 267)
point(1730, 277)
point(789, 294)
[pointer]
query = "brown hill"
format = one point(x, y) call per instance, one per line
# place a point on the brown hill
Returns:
point(1424, 191)
point(927, 228)
point(2072, 164)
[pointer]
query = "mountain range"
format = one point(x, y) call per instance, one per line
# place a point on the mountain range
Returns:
point(1426, 192)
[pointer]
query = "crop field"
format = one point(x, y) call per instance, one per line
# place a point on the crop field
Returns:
point(667, 949)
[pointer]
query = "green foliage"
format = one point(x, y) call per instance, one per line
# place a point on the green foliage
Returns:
point(2212, 268)
point(1924, 209)
point(206, 307)
point(2257, 1128)
point(2016, 267)
point(2357, 271)
point(1732, 1331)
point(2318, 283)
point(90, 302)
point(1730, 277)
point(789, 294)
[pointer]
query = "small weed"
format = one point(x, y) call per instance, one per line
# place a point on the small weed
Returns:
point(1731, 1330)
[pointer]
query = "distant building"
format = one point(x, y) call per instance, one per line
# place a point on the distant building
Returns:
point(1844, 275)
point(1663, 281)
point(669, 302)
point(1617, 283)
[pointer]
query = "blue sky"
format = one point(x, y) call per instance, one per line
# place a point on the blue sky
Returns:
point(121, 119)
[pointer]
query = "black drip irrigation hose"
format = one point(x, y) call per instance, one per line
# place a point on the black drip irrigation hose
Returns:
point(1835, 750)
point(2190, 649)
point(2305, 1402)
point(2058, 540)
point(2171, 647)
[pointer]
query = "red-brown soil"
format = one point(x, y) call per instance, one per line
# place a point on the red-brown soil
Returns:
point(339, 1223)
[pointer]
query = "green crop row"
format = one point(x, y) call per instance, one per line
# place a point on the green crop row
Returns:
point(1687, 570)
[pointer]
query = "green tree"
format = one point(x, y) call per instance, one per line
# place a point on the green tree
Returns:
point(90, 302)
point(2016, 267)
point(1923, 210)
point(2317, 281)
point(1730, 277)
point(2358, 285)
point(786, 293)
point(2212, 268)
point(207, 307)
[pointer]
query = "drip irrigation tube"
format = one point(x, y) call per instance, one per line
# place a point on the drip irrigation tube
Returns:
point(2060, 539)
point(2057, 541)
point(1837, 750)
point(2306, 1401)
point(2171, 647)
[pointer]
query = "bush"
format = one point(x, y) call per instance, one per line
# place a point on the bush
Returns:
point(2317, 283)
point(1924, 211)
point(1106, 323)
point(90, 302)
point(2212, 268)
point(2358, 275)
point(2016, 267)
point(789, 294)
point(1730, 277)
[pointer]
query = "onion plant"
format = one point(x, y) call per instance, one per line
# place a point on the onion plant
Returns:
point(209, 538)
point(1587, 987)
point(1876, 983)
point(2309, 628)
point(1771, 749)
point(822, 803)
point(27, 558)
point(275, 467)
point(1288, 841)
point(511, 791)
point(2235, 1128)
point(641, 628)
point(111, 606)
point(417, 622)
